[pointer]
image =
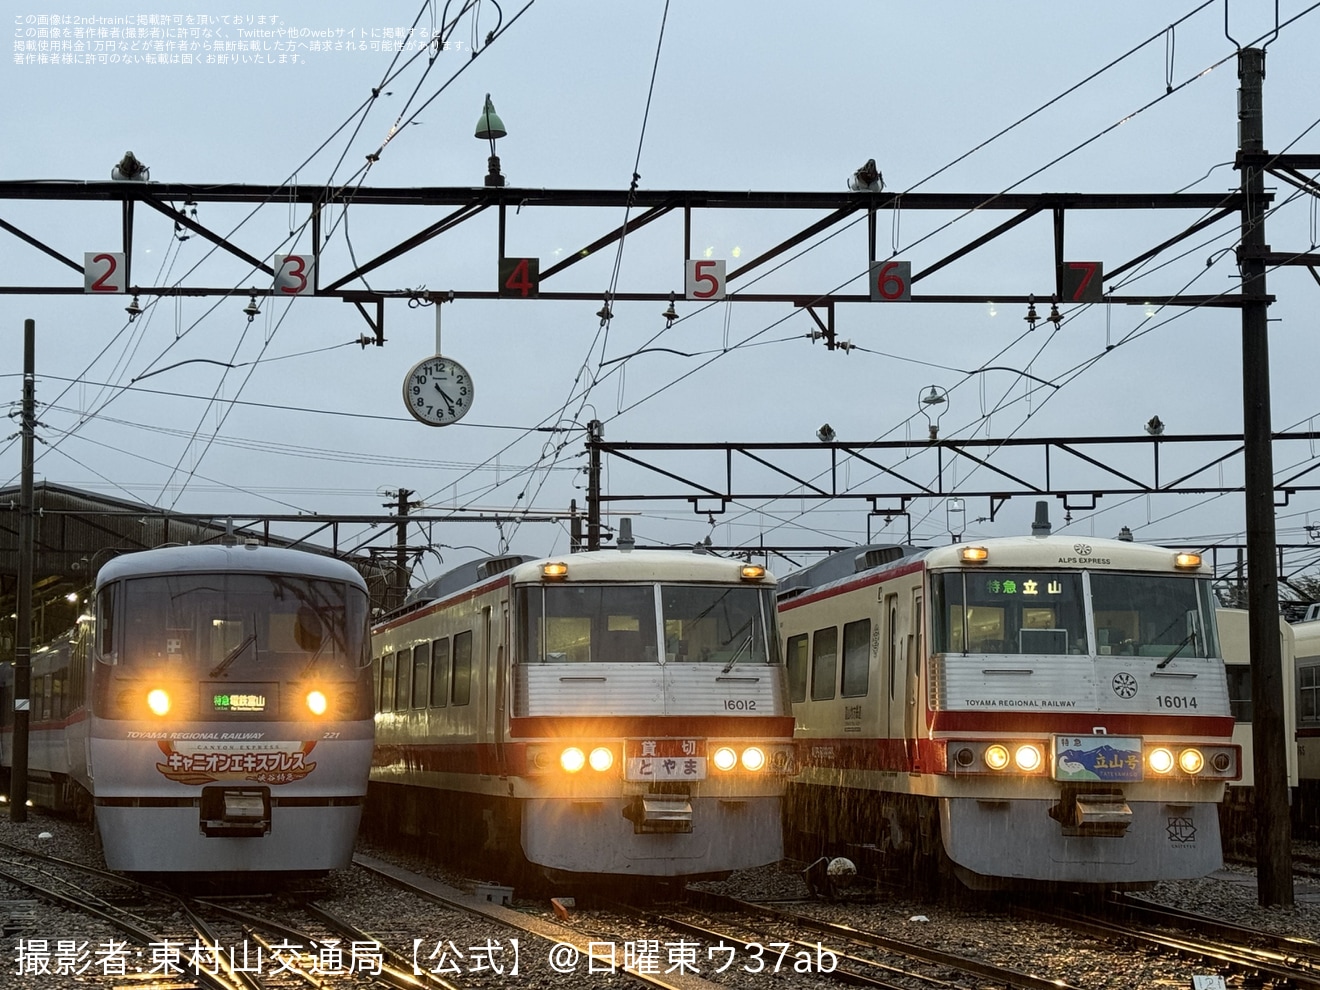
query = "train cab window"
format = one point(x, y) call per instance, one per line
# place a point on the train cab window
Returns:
point(421, 674)
point(386, 683)
point(403, 681)
point(1018, 612)
point(105, 622)
point(439, 672)
point(462, 693)
point(1153, 615)
point(796, 659)
point(824, 663)
point(856, 659)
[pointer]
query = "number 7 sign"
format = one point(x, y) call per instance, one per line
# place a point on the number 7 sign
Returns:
point(1082, 281)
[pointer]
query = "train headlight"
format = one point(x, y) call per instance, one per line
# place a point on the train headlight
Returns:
point(572, 759)
point(725, 758)
point(1160, 760)
point(602, 758)
point(1028, 758)
point(996, 757)
point(1190, 761)
point(753, 758)
point(158, 701)
point(317, 702)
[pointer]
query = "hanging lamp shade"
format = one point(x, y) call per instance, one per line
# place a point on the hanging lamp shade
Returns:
point(489, 125)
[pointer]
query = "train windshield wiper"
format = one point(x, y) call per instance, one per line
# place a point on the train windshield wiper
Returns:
point(233, 654)
point(738, 655)
point(1176, 650)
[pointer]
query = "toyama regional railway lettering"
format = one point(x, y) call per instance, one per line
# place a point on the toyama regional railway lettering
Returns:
point(1017, 703)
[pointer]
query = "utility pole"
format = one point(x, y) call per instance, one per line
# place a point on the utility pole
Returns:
point(26, 544)
point(400, 546)
point(1273, 835)
point(595, 433)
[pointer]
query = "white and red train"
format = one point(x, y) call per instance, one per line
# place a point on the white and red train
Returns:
point(1037, 709)
point(602, 714)
point(212, 710)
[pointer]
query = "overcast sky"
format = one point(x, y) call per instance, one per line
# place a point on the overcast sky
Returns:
point(748, 95)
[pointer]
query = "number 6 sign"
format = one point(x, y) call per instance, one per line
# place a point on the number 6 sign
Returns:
point(891, 281)
point(705, 279)
point(103, 271)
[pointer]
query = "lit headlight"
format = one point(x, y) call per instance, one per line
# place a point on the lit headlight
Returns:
point(159, 701)
point(317, 703)
point(572, 759)
point(1160, 760)
point(1028, 758)
point(996, 757)
point(753, 758)
point(1190, 761)
point(602, 758)
point(725, 758)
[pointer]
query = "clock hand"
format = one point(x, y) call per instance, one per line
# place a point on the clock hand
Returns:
point(448, 401)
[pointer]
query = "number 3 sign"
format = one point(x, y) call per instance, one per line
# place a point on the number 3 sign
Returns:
point(293, 274)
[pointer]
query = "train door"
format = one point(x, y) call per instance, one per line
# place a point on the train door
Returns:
point(892, 676)
point(486, 733)
point(500, 721)
point(914, 643)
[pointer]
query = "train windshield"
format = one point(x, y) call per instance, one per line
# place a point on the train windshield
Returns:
point(581, 623)
point(1044, 613)
point(239, 625)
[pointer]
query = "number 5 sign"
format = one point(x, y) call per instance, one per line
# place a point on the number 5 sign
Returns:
point(705, 279)
point(293, 274)
point(891, 281)
point(103, 271)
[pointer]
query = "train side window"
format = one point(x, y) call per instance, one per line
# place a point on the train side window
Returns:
point(421, 674)
point(1239, 691)
point(462, 668)
point(797, 667)
point(105, 623)
point(856, 659)
point(45, 696)
point(439, 672)
point(403, 681)
point(824, 663)
point(386, 683)
point(1308, 693)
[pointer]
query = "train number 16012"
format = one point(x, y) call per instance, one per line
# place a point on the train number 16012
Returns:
point(1176, 701)
point(739, 705)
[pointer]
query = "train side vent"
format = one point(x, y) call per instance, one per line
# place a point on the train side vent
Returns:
point(877, 556)
point(498, 565)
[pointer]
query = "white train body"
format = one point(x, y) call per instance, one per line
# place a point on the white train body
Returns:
point(1040, 709)
point(213, 709)
point(1307, 715)
point(579, 713)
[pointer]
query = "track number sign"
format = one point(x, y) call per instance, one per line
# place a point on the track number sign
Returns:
point(103, 271)
point(293, 274)
point(1082, 281)
point(891, 281)
point(705, 279)
point(520, 278)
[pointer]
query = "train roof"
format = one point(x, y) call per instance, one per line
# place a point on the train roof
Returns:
point(1062, 552)
point(215, 557)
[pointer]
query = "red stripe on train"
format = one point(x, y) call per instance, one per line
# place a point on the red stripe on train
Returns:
point(1082, 723)
point(651, 726)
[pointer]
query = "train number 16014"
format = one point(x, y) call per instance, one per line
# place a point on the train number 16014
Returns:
point(739, 705)
point(1176, 701)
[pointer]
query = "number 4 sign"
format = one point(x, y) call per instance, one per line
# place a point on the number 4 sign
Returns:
point(293, 274)
point(705, 279)
point(103, 271)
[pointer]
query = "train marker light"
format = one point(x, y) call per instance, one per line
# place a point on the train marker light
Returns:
point(602, 758)
point(555, 571)
point(572, 759)
point(725, 758)
point(752, 572)
point(753, 758)
point(996, 757)
point(1160, 760)
point(1222, 762)
point(1190, 761)
point(1187, 561)
point(1028, 758)
point(316, 702)
point(158, 701)
point(975, 555)
point(964, 757)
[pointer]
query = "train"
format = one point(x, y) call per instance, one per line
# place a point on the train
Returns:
point(1306, 807)
point(1018, 711)
point(603, 715)
point(211, 712)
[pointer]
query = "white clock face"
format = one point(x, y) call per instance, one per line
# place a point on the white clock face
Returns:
point(438, 391)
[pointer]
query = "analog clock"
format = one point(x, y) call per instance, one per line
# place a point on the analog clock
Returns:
point(438, 391)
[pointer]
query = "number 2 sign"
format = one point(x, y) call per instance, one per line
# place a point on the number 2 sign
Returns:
point(103, 271)
point(705, 279)
point(293, 274)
